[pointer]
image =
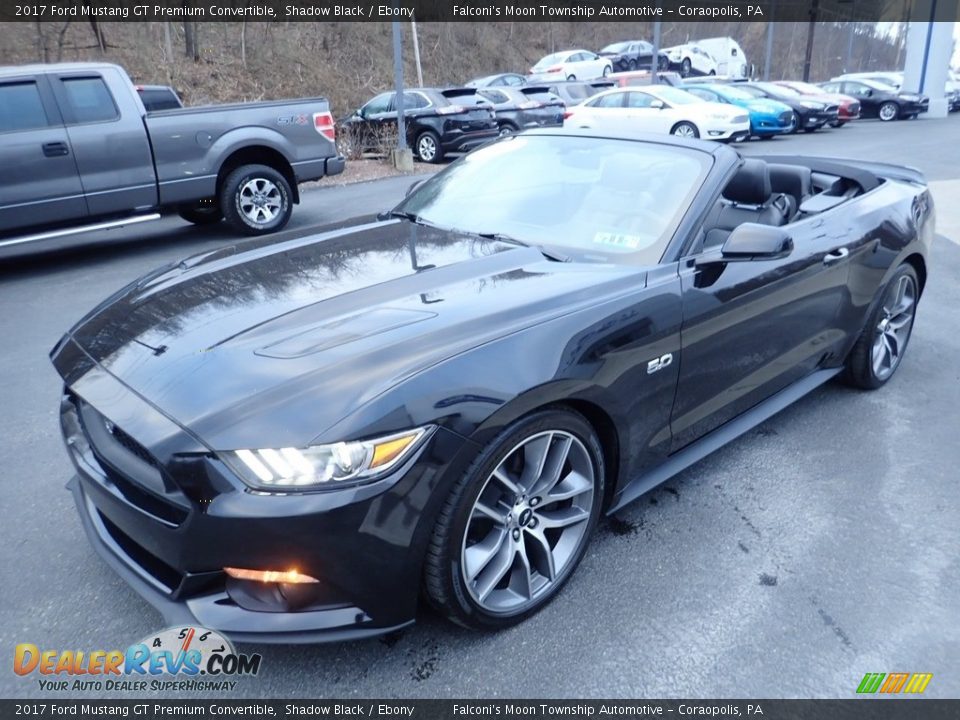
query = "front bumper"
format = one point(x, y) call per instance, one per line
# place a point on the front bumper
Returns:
point(733, 132)
point(771, 124)
point(215, 609)
point(168, 516)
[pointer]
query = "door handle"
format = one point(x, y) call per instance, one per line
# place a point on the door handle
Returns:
point(55, 149)
point(836, 256)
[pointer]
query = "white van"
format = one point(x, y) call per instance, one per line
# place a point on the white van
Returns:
point(730, 57)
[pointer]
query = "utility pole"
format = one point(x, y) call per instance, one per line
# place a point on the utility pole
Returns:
point(655, 62)
point(416, 51)
point(769, 58)
point(402, 155)
point(808, 56)
point(848, 61)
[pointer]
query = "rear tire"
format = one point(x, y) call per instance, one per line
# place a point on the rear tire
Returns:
point(606, 70)
point(201, 214)
point(428, 147)
point(503, 547)
point(256, 200)
point(685, 67)
point(877, 354)
point(888, 111)
point(508, 129)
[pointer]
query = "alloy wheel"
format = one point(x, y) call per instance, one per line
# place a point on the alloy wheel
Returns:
point(260, 200)
point(893, 330)
point(529, 522)
point(888, 111)
point(427, 148)
point(685, 131)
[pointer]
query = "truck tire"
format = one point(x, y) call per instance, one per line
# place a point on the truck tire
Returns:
point(256, 200)
point(200, 214)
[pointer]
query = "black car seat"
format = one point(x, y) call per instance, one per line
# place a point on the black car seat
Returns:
point(748, 197)
point(794, 181)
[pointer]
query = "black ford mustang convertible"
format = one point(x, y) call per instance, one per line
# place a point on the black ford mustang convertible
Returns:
point(295, 441)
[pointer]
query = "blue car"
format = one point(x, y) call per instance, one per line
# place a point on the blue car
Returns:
point(767, 117)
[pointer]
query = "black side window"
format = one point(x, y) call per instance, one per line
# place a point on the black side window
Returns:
point(21, 107)
point(89, 100)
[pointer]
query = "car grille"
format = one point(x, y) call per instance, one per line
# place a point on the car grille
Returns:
point(853, 108)
point(132, 445)
point(739, 118)
point(141, 482)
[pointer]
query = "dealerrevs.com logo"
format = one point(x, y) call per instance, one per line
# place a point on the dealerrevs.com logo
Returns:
point(197, 659)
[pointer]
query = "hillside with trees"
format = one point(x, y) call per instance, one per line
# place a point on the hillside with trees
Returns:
point(348, 62)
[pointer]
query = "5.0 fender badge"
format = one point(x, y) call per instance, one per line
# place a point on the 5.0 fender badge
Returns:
point(659, 363)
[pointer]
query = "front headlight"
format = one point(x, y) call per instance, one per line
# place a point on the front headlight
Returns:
point(811, 105)
point(323, 466)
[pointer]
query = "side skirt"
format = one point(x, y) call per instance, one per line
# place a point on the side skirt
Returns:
point(724, 434)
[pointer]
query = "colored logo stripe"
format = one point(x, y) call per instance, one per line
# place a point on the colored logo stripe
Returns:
point(871, 682)
point(894, 683)
point(918, 683)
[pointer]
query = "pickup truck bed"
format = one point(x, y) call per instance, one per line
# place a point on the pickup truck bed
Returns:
point(79, 149)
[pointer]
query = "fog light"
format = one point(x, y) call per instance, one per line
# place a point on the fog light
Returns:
point(715, 132)
point(290, 577)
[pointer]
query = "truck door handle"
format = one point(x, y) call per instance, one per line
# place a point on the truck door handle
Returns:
point(55, 149)
point(836, 256)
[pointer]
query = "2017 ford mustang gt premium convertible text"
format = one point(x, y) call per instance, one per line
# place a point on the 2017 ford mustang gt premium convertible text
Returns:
point(294, 441)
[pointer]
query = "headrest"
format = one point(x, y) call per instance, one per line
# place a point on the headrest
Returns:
point(751, 184)
point(795, 180)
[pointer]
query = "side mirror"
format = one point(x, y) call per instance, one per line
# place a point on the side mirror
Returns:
point(868, 92)
point(752, 241)
point(358, 113)
point(413, 186)
point(657, 105)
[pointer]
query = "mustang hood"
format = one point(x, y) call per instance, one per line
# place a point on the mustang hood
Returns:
point(318, 326)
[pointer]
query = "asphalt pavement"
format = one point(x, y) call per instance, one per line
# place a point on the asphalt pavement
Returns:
point(818, 547)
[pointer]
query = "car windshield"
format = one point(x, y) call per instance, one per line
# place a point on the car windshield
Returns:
point(676, 96)
point(601, 198)
point(778, 89)
point(616, 47)
point(752, 91)
point(735, 94)
point(805, 88)
point(877, 85)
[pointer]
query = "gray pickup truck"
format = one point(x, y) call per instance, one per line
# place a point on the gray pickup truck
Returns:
point(78, 152)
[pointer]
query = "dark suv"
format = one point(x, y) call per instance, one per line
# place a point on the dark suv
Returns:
point(518, 109)
point(438, 122)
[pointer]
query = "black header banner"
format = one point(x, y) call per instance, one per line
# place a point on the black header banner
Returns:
point(478, 10)
point(855, 709)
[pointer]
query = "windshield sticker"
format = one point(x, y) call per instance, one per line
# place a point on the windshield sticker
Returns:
point(620, 240)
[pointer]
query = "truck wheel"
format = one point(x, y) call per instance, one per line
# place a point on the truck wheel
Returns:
point(201, 214)
point(256, 200)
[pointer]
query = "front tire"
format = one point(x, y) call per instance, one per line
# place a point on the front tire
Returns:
point(879, 350)
point(888, 111)
point(428, 147)
point(516, 525)
point(685, 129)
point(256, 200)
point(685, 67)
point(606, 70)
